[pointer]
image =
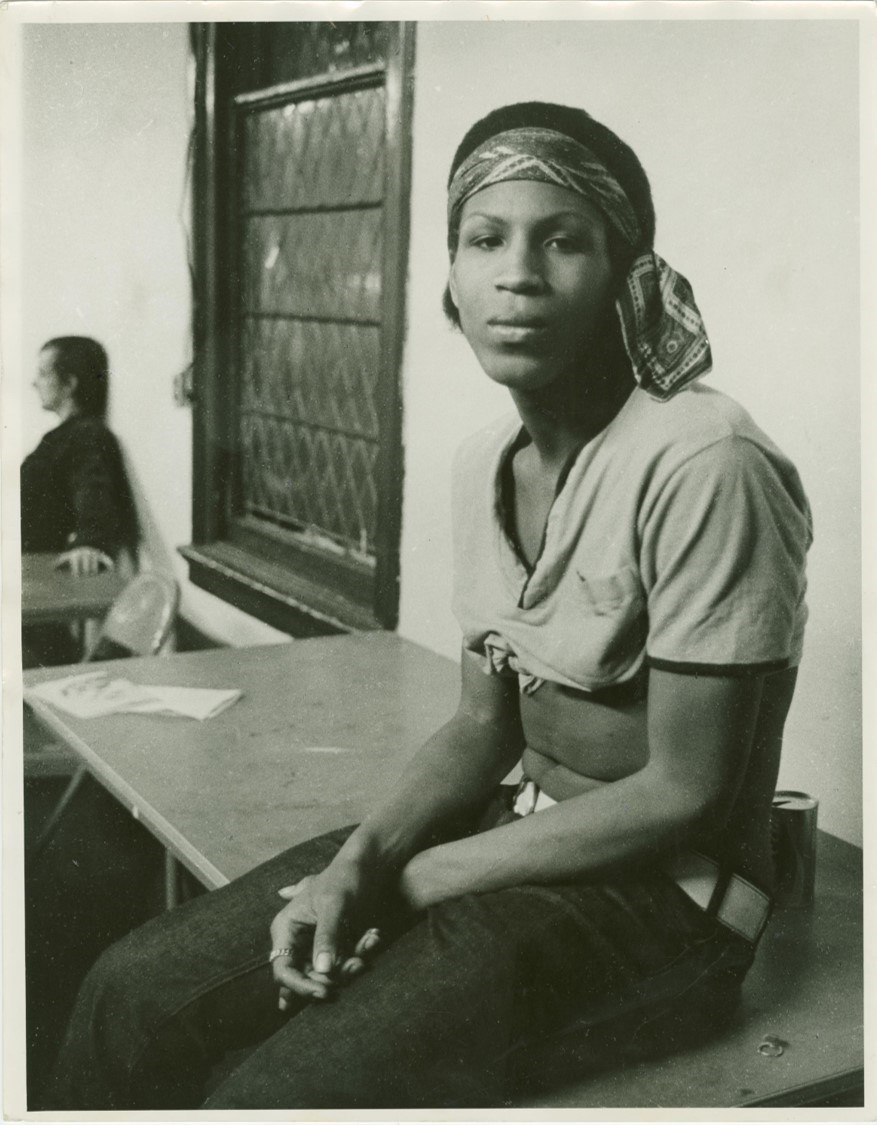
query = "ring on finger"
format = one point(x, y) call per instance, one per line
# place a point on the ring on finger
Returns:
point(283, 951)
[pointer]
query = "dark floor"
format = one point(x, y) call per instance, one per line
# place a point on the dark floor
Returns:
point(99, 877)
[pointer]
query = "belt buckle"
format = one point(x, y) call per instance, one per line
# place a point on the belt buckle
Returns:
point(732, 900)
point(744, 908)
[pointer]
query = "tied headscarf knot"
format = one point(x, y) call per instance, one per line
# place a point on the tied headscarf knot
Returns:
point(664, 335)
point(663, 332)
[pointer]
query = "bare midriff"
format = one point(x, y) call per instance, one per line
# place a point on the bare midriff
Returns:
point(578, 741)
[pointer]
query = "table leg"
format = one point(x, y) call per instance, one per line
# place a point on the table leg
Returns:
point(171, 882)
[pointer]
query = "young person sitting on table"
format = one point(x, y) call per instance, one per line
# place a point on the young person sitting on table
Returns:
point(629, 581)
point(75, 495)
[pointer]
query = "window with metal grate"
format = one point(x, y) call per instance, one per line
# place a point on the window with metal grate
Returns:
point(301, 201)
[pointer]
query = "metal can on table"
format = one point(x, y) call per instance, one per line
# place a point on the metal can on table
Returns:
point(793, 838)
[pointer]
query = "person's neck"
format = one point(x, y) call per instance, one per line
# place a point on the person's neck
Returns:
point(66, 410)
point(571, 412)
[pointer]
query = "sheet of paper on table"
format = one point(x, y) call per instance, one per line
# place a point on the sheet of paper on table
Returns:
point(90, 695)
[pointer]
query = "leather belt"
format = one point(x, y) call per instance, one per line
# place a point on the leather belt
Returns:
point(730, 899)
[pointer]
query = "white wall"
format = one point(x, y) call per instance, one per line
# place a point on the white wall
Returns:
point(106, 118)
point(748, 131)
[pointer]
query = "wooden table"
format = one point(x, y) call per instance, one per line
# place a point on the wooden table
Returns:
point(324, 723)
point(54, 595)
point(321, 726)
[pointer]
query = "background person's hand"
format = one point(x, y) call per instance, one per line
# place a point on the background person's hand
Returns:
point(84, 560)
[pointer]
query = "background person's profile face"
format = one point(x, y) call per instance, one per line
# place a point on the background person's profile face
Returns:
point(52, 389)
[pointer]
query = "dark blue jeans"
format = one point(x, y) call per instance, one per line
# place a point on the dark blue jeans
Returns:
point(451, 1007)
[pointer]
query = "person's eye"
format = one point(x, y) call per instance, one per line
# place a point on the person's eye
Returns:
point(567, 243)
point(485, 241)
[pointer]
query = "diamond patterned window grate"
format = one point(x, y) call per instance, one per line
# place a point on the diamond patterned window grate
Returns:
point(301, 186)
point(321, 152)
point(306, 50)
point(310, 245)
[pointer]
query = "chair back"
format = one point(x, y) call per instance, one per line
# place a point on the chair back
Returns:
point(139, 620)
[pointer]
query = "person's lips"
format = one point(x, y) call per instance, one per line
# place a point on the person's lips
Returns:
point(517, 329)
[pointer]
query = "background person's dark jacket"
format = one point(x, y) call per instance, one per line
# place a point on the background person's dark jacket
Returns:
point(75, 493)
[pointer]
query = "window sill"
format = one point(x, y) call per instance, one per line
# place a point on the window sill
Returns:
point(271, 593)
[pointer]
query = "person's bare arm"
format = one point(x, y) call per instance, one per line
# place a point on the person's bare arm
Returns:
point(449, 777)
point(700, 731)
point(452, 774)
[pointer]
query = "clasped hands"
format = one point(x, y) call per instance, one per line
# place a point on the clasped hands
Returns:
point(325, 935)
point(311, 940)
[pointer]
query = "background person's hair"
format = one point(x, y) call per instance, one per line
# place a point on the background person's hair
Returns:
point(85, 360)
point(618, 157)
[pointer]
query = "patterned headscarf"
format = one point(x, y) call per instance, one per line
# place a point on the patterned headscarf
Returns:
point(664, 335)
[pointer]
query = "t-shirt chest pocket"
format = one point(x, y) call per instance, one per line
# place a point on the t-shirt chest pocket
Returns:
point(605, 626)
point(606, 594)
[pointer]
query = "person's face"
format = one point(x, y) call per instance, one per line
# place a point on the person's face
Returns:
point(532, 281)
point(54, 392)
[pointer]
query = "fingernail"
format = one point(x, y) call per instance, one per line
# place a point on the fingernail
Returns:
point(323, 962)
point(281, 1004)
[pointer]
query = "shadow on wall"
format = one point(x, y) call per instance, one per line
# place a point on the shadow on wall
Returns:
point(152, 554)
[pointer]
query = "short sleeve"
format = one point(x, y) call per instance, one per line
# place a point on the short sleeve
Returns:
point(723, 551)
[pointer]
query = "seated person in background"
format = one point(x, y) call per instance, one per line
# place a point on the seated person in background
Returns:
point(629, 556)
point(75, 495)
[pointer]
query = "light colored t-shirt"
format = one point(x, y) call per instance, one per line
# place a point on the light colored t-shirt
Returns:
point(678, 539)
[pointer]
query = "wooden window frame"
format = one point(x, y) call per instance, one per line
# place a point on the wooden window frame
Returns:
point(301, 591)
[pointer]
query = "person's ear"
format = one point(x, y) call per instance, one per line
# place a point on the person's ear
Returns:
point(452, 286)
